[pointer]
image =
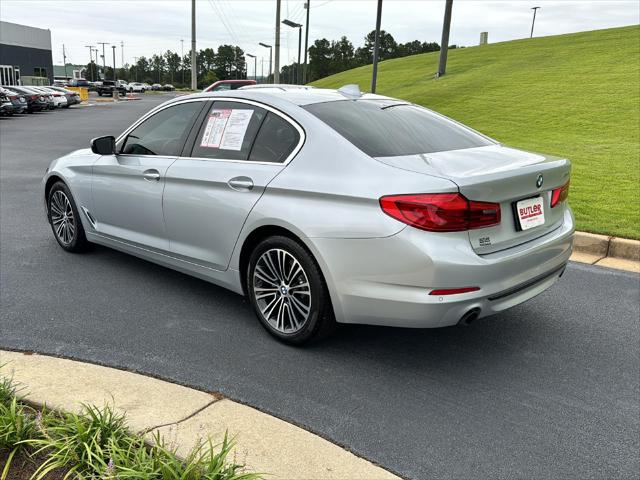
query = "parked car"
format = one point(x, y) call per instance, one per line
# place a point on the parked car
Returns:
point(6, 107)
point(136, 87)
point(18, 100)
point(48, 97)
point(79, 82)
point(156, 86)
point(59, 99)
point(346, 207)
point(36, 101)
point(108, 87)
point(73, 98)
point(168, 87)
point(228, 85)
point(277, 86)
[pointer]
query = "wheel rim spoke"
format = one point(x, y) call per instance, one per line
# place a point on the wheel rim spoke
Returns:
point(282, 290)
point(62, 217)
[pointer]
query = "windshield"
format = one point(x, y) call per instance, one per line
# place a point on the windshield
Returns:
point(390, 128)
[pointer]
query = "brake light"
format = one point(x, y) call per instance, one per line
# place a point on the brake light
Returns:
point(559, 194)
point(453, 291)
point(441, 212)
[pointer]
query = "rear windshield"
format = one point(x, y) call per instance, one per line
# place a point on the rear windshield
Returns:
point(386, 128)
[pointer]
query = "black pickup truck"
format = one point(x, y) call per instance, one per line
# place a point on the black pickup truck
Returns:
point(109, 86)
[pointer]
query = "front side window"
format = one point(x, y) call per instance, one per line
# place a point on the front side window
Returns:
point(228, 131)
point(388, 128)
point(164, 133)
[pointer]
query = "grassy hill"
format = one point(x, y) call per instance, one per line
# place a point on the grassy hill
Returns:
point(575, 95)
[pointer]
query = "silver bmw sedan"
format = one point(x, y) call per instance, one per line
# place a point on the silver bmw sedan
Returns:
point(323, 207)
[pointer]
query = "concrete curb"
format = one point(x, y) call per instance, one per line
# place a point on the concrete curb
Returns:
point(185, 416)
point(606, 251)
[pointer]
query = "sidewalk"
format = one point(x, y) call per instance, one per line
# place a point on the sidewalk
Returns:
point(605, 251)
point(264, 443)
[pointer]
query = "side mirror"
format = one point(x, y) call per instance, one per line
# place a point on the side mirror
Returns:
point(104, 145)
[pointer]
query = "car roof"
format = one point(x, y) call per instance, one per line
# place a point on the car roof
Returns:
point(298, 96)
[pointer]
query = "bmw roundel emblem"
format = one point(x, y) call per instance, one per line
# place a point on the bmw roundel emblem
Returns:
point(539, 181)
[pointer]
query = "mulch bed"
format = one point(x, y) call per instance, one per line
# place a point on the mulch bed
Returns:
point(23, 466)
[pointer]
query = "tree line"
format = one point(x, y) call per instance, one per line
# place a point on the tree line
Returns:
point(228, 62)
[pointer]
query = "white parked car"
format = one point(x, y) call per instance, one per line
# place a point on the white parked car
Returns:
point(136, 87)
point(59, 99)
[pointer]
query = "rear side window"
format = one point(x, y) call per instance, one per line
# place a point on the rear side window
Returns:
point(228, 131)
point(275, 141)
point(164, 133)
point(385, 128)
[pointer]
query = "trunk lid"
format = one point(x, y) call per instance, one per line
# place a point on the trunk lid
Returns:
point(501, 175)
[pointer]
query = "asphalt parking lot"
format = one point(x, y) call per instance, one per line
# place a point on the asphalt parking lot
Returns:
point(549, 389)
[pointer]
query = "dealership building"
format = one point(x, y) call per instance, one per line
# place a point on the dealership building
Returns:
point(25, 55)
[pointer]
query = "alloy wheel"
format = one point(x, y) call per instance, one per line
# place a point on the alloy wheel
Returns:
point(62, 217)
point(282, 290)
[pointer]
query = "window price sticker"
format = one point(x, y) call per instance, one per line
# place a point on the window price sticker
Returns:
point(226, 128)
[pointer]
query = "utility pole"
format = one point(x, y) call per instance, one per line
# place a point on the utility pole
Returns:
point(90, 47)
point(255, 66)
point(122, 52)
point(270, 57)
point(64, 59)
point(104, 67)
point(307, 5)
point(114, 62)
point(376, 47)
point(276, 71)
point(535, 10)
point(182, 58)
point(194, 69)
point(444, 47)
point(135, 59)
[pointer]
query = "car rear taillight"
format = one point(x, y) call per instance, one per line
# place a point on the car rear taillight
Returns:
point(559, 194)
point(441, 212)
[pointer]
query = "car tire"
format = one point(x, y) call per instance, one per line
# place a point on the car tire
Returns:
point(287, 291)
point(99, 93)
point(64, 219)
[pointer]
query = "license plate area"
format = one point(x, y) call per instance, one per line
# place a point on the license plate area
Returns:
point(529, 213)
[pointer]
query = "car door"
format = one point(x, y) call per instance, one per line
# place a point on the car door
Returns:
point(208, 195)
point(127, 187)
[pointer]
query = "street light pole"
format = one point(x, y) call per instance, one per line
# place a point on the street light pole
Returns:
point(307, 5)
point(90, 47)
point(270, 55)
point(114, 62)
point(135, 59)
point(276, 71)
point(291, 24)
point(194, 69)
point(104, 66)
point(535, 10)
point(255, 66)
point(376, 47)
point(182, 58)
point(444, 47)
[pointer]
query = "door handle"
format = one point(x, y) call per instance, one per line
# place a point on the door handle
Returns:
point(151, 175)
point(241, 184)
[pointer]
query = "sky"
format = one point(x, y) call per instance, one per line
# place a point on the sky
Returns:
point(145, 27)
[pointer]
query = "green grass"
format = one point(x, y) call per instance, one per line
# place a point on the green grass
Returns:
point(575, 96)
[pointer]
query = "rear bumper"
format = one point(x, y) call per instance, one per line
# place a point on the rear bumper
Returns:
point(386, 281)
